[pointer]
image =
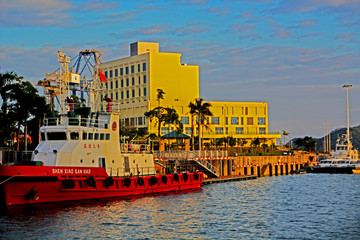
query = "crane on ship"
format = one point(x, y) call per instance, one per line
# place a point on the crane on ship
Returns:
point(66, 80)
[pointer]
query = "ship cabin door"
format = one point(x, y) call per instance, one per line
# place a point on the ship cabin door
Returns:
point(102, 163)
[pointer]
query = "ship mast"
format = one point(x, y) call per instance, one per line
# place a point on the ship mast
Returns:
point(347, 86)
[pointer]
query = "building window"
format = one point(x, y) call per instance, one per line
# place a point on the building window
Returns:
point(226, 121)
point(102, 136)
point(139, 80)
point(107, 136)
point(127, 70)
point(242, 121)
point(234, 121)
point(116, 72)
point(138, 67)
point(164, 130)
point(132, 121)
point(122, 95)
point(106, 85)
point(111, 85)
point(101, 97)
point(144, 79)
point(121, 71)
point(185, 120)
point(246, 110)
point(127, 82)
point(197, 120)
point(111, 96)
point(219, 130)
point(188, 130)
point(106, 74)
point(262, 130)
point(261, 121)
point(140, 121)
point(144, 66)
point(117, 84)
point(132, 69)
point(214, 120)
point(127, 94)
point(250, 121)
point(117, 96)
point(239, 130)
point(133, 81)
point(133, 93)
point(111, 73)
point(226, 130)
point(122, 83)
point(145, 91)
point(139, 92)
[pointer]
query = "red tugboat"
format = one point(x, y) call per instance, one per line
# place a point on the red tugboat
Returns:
point(80, 157)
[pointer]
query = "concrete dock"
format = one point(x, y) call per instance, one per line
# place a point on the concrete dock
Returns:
point(228, 179)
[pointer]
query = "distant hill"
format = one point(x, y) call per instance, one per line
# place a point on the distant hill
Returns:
point(354, 134)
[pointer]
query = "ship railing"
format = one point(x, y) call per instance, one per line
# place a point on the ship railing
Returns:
point(131, 172)
point(135, 148)
point(181, 155)
point(76, 121)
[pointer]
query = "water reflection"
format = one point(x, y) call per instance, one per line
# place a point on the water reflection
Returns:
point(291, 207)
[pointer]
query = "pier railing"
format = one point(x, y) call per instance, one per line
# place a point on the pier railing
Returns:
point(182, 155)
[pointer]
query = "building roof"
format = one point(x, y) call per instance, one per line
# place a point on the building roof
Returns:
point(175, 135)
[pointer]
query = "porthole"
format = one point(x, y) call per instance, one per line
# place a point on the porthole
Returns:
point(81, 161)
point(113, 161)
point(92, 161)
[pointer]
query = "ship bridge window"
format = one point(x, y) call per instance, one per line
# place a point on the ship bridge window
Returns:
point(96, 137)
point(74, 136)
point(91, 136)
point(53, 136)
point(84, 136)
point(102, 136)
point(42, 134)
point(107, 136)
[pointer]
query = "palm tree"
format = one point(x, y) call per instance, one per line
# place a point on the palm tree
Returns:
point(160, 95)
point(201, 109)
point(285, 133)
point(163, 115)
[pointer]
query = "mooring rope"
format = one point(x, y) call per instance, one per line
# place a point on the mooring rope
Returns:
point(7, 179)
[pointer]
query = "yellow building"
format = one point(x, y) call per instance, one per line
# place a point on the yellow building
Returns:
point(133, 82)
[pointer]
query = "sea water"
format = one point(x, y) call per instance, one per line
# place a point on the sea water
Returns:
point(306, 206)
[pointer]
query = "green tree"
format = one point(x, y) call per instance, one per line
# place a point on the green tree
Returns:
point(25, 102)
point(307, 142)
point(8, 81)
point(201, 109)
point(163, 115)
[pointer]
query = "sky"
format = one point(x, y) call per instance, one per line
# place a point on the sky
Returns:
point(295, 55)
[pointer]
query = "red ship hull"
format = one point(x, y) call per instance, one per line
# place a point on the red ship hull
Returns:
point(40, 184)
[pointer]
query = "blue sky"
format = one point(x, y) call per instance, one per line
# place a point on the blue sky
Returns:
point(296, 55)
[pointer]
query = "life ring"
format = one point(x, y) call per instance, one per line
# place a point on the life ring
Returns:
point(196, 176)
point(164, 179)
point(127, 182)
point(140, 181)
point(109, 181)
point(176, 177)
point(152, 181)
point(125, 147)
point(185, 177)
point(91, 181)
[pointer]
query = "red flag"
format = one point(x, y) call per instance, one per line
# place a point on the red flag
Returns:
point(102, 76)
